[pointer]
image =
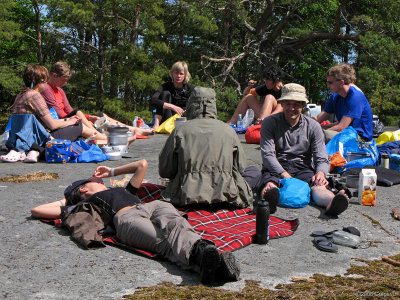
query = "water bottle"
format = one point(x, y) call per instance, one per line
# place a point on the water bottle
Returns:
point(385, 161)
point(248, 118)
point(262, 222)
point(239, 123)
point(307, 112)
point(134, 123)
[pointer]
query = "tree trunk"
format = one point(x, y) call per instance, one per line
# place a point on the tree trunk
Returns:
point(39, 35)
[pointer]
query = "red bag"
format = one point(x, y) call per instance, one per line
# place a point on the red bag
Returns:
point(253, 134)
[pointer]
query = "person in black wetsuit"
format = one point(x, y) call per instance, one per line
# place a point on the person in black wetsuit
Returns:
point(171, 97)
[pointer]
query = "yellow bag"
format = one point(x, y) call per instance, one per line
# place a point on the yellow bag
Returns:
point(168, 125)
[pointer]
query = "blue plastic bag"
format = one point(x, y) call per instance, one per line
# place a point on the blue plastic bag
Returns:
point(87, 153)
point(53, 113)
point(294, 193)
point(348, 141)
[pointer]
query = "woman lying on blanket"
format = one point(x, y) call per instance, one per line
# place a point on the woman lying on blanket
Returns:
point(154, 226)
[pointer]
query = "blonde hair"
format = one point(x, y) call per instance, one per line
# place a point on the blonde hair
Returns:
point(34, 74)
point(343, 72)
point(61, 69)
point(179, 66)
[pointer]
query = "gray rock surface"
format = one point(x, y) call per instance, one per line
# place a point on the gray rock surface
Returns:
point(39, 261)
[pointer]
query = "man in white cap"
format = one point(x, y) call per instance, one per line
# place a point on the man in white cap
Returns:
point(292, 145)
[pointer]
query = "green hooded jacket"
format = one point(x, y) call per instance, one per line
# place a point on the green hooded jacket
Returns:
point(203, 158)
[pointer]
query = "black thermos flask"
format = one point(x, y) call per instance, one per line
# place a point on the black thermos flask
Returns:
point(262, 222)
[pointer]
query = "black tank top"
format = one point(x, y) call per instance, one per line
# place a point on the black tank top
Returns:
point(114, 199)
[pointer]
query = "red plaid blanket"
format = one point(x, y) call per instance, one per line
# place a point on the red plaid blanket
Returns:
point(228, 229)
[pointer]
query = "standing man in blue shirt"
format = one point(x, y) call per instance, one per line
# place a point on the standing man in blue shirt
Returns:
point(348, 103)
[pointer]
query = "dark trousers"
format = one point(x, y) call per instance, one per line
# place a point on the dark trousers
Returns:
point(257, 179)
point(165, 113)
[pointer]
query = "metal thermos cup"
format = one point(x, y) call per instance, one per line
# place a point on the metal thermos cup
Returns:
point(262, 222)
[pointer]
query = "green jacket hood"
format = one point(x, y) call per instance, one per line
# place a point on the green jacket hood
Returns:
point(201, 104)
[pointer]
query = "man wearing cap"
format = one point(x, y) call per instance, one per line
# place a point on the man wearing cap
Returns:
point(155, 226)
point(348, 104)
point(292, 145)
point(203, 158)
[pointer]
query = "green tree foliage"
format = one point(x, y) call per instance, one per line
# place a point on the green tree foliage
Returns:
point(121, 50)
point(17, 41)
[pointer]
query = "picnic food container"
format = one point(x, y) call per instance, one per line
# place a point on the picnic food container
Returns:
point(356, 155)
point(367, 187)
point(101, 124)
point(352, 181)
point(58, 151)
point(117, 135)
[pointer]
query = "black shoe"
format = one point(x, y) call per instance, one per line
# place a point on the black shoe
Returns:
point(272, 197)
point(210, 262)
point(229, 269)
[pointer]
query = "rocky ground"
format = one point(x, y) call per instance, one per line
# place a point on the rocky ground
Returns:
point(39, 261)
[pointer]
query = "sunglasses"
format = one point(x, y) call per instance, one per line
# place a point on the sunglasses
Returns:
point(294, 104)
point(330, 82)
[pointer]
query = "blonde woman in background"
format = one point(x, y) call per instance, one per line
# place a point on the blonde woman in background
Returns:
point(171, 97)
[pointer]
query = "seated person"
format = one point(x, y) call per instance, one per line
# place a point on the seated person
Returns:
point(292, 145)
point(55, 97)
point(154, 226)
point(30, 101)
point(203, 158)
point(348, 104)
point(172, 96)
point(271, 90)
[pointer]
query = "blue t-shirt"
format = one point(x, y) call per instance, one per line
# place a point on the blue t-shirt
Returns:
point(356, 106)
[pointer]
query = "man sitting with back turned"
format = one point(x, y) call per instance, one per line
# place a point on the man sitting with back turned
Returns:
point(292, 145)
point(348, 103)
point(203, 158)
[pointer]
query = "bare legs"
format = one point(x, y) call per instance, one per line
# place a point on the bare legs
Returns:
point(323, 197)
point(269, 107)
point(261, 111)
point(157, 121)
point(85, 121)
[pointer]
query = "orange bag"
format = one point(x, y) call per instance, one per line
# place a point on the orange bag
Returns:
point(253, 134)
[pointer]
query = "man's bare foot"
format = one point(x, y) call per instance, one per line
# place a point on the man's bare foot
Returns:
point(267, 187)
point(258, 121)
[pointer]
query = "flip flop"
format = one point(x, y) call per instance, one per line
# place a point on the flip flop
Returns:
point(13, 156)
point(325, 244)
point(272, 197)
point(339, 204)
point(323, 233)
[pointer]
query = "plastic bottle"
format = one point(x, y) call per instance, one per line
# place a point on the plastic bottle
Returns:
point(134, 123)
point(139, 123)
point(385, 160)
point(239, 123)
point(262, 222)
point(248, 118)
point(307, 112)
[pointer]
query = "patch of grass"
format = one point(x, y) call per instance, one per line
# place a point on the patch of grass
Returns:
point(377, 279)
point(33, 177)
